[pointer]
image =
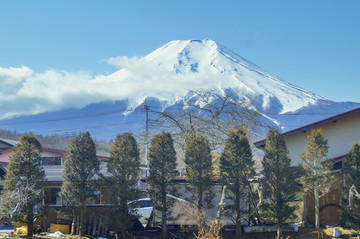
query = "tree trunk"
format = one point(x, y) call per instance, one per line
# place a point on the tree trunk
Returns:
point(351, 203)
point(220, 207)
point(202, 215)
point(94, 226)
point(200, 200)
point(123, 232)
point(304, 209)
point(82, 220)
point(30, 223)
point(77, 225)
point(317, 211)
point(238, 216)
point(279, 231)
point(164, 225)
point(99, 226)
point(238, 228)
point(89, 224)
point(73, 225)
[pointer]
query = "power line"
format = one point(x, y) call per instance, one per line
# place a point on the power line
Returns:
point(147, 108)
point(98, 126)
point(89, 115)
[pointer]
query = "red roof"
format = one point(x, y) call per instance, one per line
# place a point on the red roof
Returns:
point(59, 152)
point(102, 158)
point(4, 150)
point(55, 151)
point(338, 158)
point(261, 143)
point(4, 163)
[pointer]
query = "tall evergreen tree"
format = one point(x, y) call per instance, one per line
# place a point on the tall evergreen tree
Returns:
point(199, 171)
point(80, 169)
point(316, 178)
point(278, 182)
point(237, 167)
point(162, 159)
point(351, 172)
point(24, 181)
point(124, 168)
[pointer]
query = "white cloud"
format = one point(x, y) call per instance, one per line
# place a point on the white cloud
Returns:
point(23, 91)
point(123, 61)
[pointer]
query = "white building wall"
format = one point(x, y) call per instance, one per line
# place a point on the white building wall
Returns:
point(341, 134)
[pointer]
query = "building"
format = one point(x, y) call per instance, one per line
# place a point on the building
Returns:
point(342, 132)
point(49, 156)
point(53, 162)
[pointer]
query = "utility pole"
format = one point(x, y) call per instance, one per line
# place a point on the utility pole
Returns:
point(146, 107)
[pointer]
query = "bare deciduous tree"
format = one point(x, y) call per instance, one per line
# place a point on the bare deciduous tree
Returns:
point(211, 114)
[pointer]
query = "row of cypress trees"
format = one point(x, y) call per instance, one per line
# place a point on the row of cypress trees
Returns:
point(26, 178)
point(82, 167)
point(236, 172)
point(316, 181)
point(82, 176)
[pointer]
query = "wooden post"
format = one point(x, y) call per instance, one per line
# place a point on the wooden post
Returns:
point(94, 226)
point(105, 230)
point(77, 224)
point(89, 225)
point(304, 211)
point(99, 226)
point(73, 225)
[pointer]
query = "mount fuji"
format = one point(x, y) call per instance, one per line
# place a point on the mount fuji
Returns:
point(169, 76)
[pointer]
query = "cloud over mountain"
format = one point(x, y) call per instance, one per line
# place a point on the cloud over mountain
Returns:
point(168, 74)
point(25, 92)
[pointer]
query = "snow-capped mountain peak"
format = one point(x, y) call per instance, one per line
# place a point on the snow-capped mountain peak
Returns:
point(212, 66)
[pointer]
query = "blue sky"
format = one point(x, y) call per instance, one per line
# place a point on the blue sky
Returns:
point(312, 44)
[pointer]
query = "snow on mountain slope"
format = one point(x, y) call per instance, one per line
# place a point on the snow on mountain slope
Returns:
point(196, 64)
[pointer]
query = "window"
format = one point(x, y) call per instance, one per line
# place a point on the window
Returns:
point(51, 161)
point(52, 196)
point(94, 199)
point(140, 203)
point(147, 203)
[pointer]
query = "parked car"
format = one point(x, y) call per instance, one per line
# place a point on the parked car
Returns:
point(144, 208)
